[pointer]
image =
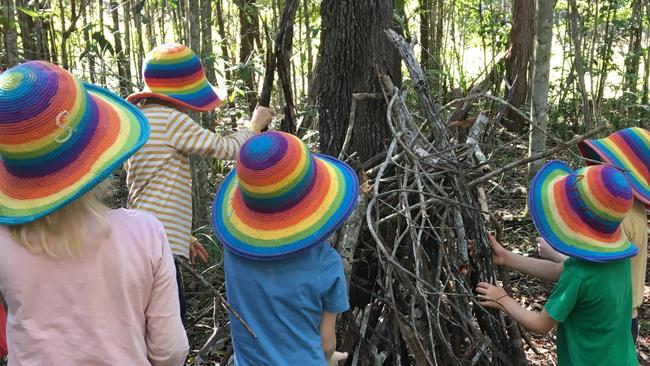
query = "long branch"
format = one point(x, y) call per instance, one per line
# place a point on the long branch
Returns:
point(541, 155)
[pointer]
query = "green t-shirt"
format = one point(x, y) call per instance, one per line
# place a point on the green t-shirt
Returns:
point(592, 304)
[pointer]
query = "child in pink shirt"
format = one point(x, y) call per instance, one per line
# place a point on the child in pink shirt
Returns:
point(84, 285)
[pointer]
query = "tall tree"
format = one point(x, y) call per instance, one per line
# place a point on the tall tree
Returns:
point(206, 39)
point(541, 71)
point(425, 44)
point(127, 44)
point(353, 47)
point(223, 37)
point(249, 31)
point(123, 82)
point(26, 30)
point(634, 50)
point(578, 62)
point(10, 34)
point(520, 51)
point(66, 31)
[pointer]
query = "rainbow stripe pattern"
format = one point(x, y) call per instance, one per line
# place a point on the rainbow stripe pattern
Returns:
point(173, 73)
point(281, 198)
point(59, 138)
point(627, 149)
point(579, 213)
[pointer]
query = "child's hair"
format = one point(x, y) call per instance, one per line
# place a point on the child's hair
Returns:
point(68, 227)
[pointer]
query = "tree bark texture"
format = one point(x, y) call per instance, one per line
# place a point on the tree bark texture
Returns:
point(10, 34)
point(249, 30)
point(578, 60)
point(634, 51)
point(206, 39)
point(520, 51)
point(353, 48)
point(119, 50)
point(425, 18)
point(541, 70)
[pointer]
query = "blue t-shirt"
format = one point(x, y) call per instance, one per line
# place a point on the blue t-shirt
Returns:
point(283, 301)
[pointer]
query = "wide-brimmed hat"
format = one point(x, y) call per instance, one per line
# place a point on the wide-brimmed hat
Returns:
point(282, 199)
point(59, 138)
point(579, 213)
point(174, 74)
point(627, 149)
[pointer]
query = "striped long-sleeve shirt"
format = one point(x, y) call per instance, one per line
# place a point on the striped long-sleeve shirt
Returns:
point(158, 175)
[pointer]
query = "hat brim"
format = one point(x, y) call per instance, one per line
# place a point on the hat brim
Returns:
point(627, 149)
point(218, 96)
point(268, 236)
point(121, 130)
point(566, 233)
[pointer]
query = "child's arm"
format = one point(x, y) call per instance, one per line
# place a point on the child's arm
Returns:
point(185, 135)
point(495, 297)
point(540, 268)
point(328, 336)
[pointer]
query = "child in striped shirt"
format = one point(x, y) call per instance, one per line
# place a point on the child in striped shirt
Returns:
point(158, 176)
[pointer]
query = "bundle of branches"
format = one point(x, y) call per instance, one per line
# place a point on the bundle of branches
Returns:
point(421, 215)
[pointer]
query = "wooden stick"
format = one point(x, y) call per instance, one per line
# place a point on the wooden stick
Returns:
point(216, 294)
point(559, 147)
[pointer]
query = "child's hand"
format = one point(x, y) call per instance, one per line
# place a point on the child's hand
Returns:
point(499, 253)
point(196, 249)
point(261, 118)
point(336, 358)
point(489, 295)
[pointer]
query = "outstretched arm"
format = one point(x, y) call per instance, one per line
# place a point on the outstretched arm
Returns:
point(495, 297)
point(185, 135)
point(540, 268)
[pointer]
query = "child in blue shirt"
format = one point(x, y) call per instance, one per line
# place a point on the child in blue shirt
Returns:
point(274, 214)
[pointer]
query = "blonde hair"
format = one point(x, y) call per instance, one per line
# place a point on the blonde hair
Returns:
point(64, 233)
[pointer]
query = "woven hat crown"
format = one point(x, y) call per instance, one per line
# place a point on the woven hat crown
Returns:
point(173, 68)
point(274, 170)
point(45, 117)
point(600, 196)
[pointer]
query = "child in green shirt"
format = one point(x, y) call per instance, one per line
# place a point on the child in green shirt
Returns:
point(578, 214)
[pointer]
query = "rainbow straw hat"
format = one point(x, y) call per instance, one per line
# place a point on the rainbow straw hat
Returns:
point(58, 139)
point(579, 213)
point(281, 198)
point(173, 73)
point(628, 150)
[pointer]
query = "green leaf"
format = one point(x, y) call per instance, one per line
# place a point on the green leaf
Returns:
point(30, 12)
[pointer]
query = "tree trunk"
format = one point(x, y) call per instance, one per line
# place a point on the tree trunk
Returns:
point(26, 31)
point(10, 35)
point(127, 46)
point(223, 37)
point(119, 51)
point(90, 56)
point(206, 39)
point(308, 44)
point(64, 38)
point(425, 18)
point(139, 53)
point(40, 35)
point(249, 29)
point(634, 51)
point(541, 70)
point(102, 77)
point(194, 25)
point(576, 37)
point(353, 47)
point(646, 64)
point(520, 51)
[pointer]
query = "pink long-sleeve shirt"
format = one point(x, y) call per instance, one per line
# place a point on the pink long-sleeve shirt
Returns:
point(114, 306)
